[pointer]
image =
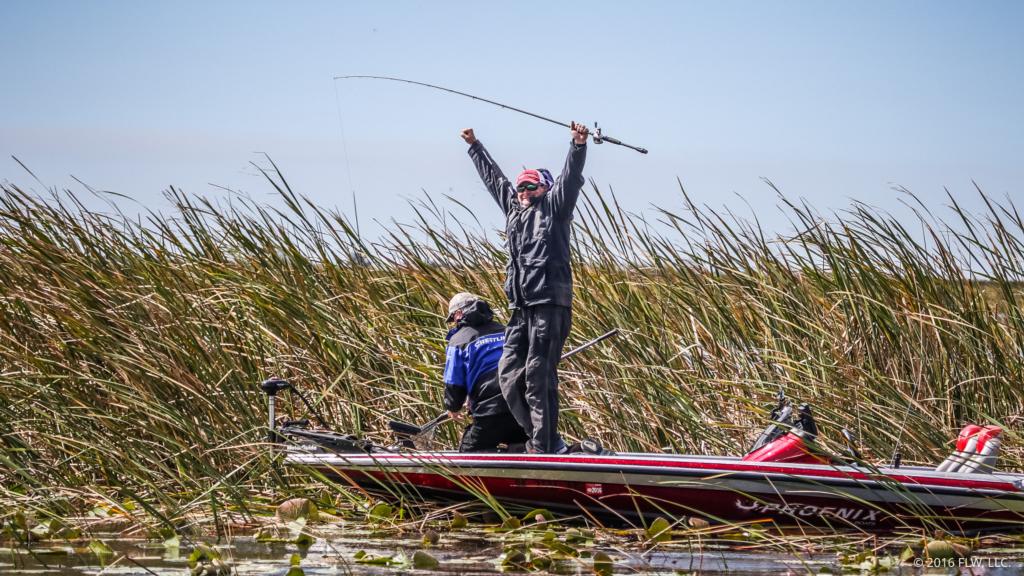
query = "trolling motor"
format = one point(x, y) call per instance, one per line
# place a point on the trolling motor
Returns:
point(300, 428)
point(272, 386)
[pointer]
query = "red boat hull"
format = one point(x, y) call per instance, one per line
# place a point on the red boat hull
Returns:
point(718, 489)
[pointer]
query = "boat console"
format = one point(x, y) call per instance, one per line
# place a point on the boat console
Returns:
point(788, 438)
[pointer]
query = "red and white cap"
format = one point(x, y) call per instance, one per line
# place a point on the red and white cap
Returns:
point(529, 176)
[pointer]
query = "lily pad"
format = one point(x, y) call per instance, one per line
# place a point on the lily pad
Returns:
point(45, 530)
point(381, 512)
point(538, 515)
point(431, 538)
point(514, 558)
point(658, 531)
point(944, 549)
point(206, 561)
point(361, 557)
point(269, 534)
point(101, 550)
point(424, 561)
point(561, 549)
point(907, 555)
point(540, 562)
point(577, 536)
point(99, 512)
point(511, 523)
point(459, 521)
point(201, 553)
point(20, 520)
point(294, 568)
point(603, 564)
point(296, 508)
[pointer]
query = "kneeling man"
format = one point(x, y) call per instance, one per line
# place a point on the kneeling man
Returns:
point(471, 376)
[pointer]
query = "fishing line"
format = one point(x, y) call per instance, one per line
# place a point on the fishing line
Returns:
point(344, 149)
point(897, 457)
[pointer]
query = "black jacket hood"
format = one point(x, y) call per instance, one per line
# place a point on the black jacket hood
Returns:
point(477, 313)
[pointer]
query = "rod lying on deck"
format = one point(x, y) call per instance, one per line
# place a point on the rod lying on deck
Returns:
point(413, 430)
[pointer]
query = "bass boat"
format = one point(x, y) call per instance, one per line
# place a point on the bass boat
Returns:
point(784, 479)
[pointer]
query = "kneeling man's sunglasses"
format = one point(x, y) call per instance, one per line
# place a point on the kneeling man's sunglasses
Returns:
point(526, 186)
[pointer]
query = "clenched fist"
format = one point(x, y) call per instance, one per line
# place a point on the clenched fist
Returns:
point(579, 133)
point(468, 136)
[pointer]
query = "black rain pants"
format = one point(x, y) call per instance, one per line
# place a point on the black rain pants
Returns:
point(528, 373)
point(486, 432)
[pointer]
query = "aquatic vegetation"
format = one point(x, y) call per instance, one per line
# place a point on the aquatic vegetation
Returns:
point(658, 531)
point(350, 547)
point(130, 350)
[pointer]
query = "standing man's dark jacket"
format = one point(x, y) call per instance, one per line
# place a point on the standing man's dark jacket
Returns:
point(539, 289)
point(538, 270)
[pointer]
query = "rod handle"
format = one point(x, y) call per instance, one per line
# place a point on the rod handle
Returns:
point(611, 140)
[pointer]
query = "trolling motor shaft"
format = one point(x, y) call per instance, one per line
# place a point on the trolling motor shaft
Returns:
point(271, 387)
point(597, 136)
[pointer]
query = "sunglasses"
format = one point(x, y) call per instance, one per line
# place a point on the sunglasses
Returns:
point(525, 187)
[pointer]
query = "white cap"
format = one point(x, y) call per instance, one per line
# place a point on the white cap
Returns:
point(459, 302)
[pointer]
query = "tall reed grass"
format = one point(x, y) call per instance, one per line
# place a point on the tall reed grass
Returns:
point(130, 350)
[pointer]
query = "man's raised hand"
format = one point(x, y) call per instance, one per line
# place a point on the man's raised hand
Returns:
point(468, 136)
point(579, 133)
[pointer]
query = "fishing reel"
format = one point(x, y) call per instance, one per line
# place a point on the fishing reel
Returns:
point(600, 138)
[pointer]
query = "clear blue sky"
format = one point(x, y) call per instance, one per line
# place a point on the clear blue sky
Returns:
point(830, 100)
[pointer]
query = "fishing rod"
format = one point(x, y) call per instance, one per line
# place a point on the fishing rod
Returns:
point(596, 135)
point(586, 345)
point(413, 430)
